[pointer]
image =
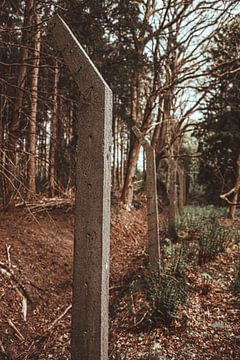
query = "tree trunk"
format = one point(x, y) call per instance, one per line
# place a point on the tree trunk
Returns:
point(33, 113)
point(163, 132)
point(233, 206)
point(122, 164)
point(127, 193)
point(1, 149)
point(115, 153)
point(45, 155)
point(53, 141)
point(13, 136)
point(118, 154)
point(61, 170)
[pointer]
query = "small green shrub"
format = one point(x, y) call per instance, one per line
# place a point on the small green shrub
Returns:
point(201, 234)
point(236, 284)
point(167, 291)
point(166, 297)
point(213, 239)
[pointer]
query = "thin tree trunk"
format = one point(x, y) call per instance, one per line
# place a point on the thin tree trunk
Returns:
point(45, 155)
point(62, 171)
point(233, 206)
point(53, 141)
point(33, 113)
point(184, 188)
point(1, 149)
point(163, 132)
point(118, 154)
point(13, 136)
point(122, 165)
point(115, 153)
point(127, 193)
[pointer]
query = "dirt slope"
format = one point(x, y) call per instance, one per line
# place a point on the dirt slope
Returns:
point(40, 260)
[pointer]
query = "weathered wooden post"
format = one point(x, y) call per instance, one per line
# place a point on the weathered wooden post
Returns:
point(172, 194)
point(181, 190)
point(152, 205)
point(92, 226)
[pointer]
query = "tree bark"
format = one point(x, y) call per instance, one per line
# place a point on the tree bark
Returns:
point(233, 206)
point(163, 132)
point(140, 43)
point(33, 112)
point(122, 163)
point(62, 172)
point(115, 153)
point(53, 141)
point(127, 193)
point(13, 136)
point(1, 149)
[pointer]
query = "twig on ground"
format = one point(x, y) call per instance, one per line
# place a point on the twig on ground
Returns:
point(139, 322)
point(47, 204)
point(45, 334)
point(133, 310)
point(51, 326)
point(5, 270)
point(17, 332)
point(36, 286)
point(2, 348)
point(58, 319)
point(8, 248)
point(24, 305)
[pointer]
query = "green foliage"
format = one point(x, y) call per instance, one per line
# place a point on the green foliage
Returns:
point(167, 291)
point(236, 285)
point(212, 240)
point(166, 297)
point(217, 325)
point(201, 235)
point(219, 134)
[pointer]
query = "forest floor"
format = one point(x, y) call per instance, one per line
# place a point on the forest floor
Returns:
point(35, 293)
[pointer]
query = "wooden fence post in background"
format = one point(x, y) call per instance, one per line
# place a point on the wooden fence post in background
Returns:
point(93, 184)
point(152, 203)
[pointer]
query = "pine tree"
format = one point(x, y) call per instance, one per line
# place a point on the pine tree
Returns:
point(220, 132)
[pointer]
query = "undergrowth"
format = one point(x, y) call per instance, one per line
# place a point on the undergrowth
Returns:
point(201, 237)
point(236, 284)
point(167, 291)
point(201, 234)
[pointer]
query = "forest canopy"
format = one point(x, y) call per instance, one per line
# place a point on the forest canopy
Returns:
point(166, 62)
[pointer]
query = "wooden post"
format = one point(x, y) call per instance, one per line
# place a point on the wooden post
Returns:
point(172, 194)
point(152, 205)
point(181, 189)
point(93, 184)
